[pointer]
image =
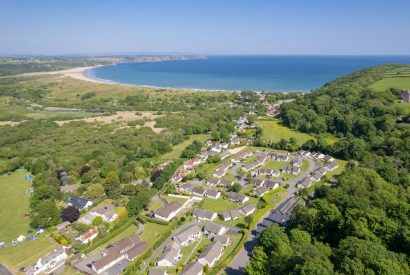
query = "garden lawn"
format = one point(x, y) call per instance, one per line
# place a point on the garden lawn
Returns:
point(152, 231)
point(27, 253)
point(177, 149)
point(275, 165)
point(218, 205)
point(14, 204)
point(274, 130)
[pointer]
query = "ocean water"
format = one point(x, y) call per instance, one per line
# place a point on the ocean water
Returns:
point(258, 73)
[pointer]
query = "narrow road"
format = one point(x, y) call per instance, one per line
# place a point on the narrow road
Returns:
point(237, 266)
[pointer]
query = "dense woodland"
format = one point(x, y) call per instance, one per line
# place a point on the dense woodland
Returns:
point(360, 223)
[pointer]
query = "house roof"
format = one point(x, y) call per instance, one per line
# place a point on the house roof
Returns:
point(88, 234)
point(171, 251)
point(236, 196)
point(261, 190)
point(157, 271)
point(257, 182)
point(52, 255)
point(213, 227)
point(305, 182)
point(247, 208)
point(270, 184)
point(187, 233)
point(112, 255)
point(125, 244)
point(203, 214)
point(213, 181)
point(199, 191)
point(192, 269)
point(212, 252)
point(225, 182)
point(77, 202)
point(222, 239)
point(211, 193)
point(166, 210)
point(136, 250)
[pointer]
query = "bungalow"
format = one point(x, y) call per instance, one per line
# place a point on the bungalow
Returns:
point(331, 166)
point(242, 156)
point(168, 211)
point(212, 181)
point(291, 170)
point(282, 157)
point(257, 182)
point(204, 155)
point(176, 178)
point(304, 183)
point(212, 193)
point(322, 171)
point(237, 197)
point(247, 209)
point(188, 236)
point(211, 254)
point(213, 229)
point(230, 215)
point(271, 184)
point(186, 187)
point(282, 213)
point(170, 256)
point(316, 176)
point(51, 261)
point(193, 268)
point(221, 170)
point(204, 215)
point(157, 271)
point(224, 154)
point(328, 158)
point(260, 191)
point(128, 248)
point(296, 162)
point(216, 150)
point(268, 172)
point(191, 164)
point(235, 140)
point(222, 239)
point(223, 145)
point(272, 155)
point(106, 212)
point(79, 203)
point(302, 153)
point(198, 191)
point(88, 236)
point(226, 183)
point(316, 155)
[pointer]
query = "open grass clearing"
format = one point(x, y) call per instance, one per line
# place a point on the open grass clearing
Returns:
point(177, 149)
point(275, 131)
point(402, 82)
point(14, 206)
point(153, 231)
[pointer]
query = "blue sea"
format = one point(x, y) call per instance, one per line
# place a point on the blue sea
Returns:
point(258, 73)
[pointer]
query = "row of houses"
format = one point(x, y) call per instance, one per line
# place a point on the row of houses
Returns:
point(315, 155)
point(199, 191)
point(317, 175)
point(222, 170)
point(263, 186)
point(234, 214)
point(280, 215)
point(115, 258)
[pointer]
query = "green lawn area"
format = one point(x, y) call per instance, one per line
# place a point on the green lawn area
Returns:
point(340, 169)
point(274, 130)
point(14, 204)
point(152, 231)
point(177, 149)
point(218, 205)
point(171, 199)
point(275, 165)
point(275, 196)
point(27, 253)
point(391, 82)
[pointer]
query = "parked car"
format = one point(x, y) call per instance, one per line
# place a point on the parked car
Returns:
point(3, 245)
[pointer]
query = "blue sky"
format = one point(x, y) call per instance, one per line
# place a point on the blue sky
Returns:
point(348, 27)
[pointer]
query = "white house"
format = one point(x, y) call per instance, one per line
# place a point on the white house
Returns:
point(88, 236)
point(170, 256)
point(51, 261)
point(211, 254)
point(188, 236)
point(168, 212)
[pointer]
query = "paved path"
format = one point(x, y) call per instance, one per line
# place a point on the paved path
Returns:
point(238, 264)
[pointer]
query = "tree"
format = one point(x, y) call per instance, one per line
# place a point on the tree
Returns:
point(138, 202)
point(95, 190)
point(70, 214)
point(258, 264)
point(236, 187)
point(112, 185)
point(44, 214)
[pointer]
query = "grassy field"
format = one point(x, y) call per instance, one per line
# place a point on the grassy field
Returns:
point(274, 130)
point(218, 205)
point(392, 82)
point(152, 231)
point(177, 149)
point(14, 204)
point(275, 165)
point(27, 253)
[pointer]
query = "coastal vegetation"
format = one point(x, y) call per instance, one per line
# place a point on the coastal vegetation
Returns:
point(359, 223)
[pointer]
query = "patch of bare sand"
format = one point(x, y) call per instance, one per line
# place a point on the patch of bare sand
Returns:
point(11, 123)
point(121, 117)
